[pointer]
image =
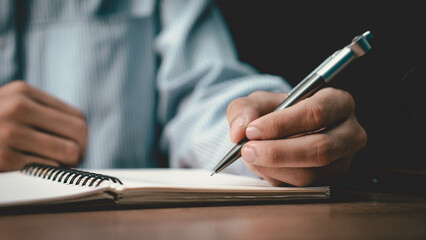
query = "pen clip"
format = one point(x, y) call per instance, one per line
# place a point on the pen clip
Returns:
point(340, 59)
point(360, 44)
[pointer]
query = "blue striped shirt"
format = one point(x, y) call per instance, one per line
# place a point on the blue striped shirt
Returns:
point(148, 75)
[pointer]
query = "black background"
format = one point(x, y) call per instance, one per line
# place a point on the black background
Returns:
point(290, 38)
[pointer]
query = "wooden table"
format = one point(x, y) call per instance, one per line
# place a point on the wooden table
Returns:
point(347, 216)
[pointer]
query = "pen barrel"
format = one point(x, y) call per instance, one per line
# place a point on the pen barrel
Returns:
point(336, 64)
point(231, 157)
point(323, 74)
point(303, 90)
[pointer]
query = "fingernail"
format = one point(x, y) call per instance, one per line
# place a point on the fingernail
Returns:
point(247, 154)
point(237, 124)
point(252, 133)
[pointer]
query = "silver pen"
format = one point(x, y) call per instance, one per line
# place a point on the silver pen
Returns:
point(310, 84)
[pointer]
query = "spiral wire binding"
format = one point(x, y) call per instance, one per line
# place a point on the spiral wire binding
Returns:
point(62, 175)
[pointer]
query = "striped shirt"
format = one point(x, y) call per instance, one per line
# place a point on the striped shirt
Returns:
point(150, 76)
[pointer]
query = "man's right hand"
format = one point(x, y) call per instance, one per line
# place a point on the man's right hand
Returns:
point(36, 127)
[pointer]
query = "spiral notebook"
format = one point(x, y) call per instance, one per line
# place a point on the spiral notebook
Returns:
point(43, 185)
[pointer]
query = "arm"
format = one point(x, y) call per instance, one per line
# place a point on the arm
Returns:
point(201, 72)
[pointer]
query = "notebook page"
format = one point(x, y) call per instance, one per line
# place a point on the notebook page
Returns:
point(196, 179)
point(17, 188)
point(165, 186)
point(181, 177)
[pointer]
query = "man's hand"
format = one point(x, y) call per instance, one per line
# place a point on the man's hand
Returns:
point(36, 127)
point(311, 142)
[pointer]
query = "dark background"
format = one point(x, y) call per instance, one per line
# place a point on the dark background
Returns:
point(291, 38)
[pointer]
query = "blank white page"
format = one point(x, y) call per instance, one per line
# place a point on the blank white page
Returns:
point(17, 188)
point(197, 179)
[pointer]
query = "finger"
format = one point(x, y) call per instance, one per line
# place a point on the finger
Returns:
point(242, 111)
point(305, 176)
point(22, 88)
point(313, 150)
point(272, 181)
point(48, 119)
point(326, 107)
point(29, 140)
point(11, 159)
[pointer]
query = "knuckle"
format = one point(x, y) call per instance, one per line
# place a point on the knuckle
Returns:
point(240, 107)
point(82, 129)
point(330, 91)
point(348, 100)
point(236, 104)
point(81, 114)
point(16, 107)
point(71, 151)
point(341, 96)
point(315, 116)
point(257, 94)
point(322, 151)
point(362, 137)
point(19, 87)
point(359, 135)
point(9, 132)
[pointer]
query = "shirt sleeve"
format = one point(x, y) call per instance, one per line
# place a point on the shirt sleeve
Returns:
point(199, 75)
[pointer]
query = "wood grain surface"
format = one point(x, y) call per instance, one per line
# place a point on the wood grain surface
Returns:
point(371, 216)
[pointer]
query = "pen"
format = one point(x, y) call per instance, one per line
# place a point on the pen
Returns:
point(323, 74)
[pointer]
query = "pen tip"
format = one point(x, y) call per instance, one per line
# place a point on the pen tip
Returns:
point(212, 174)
